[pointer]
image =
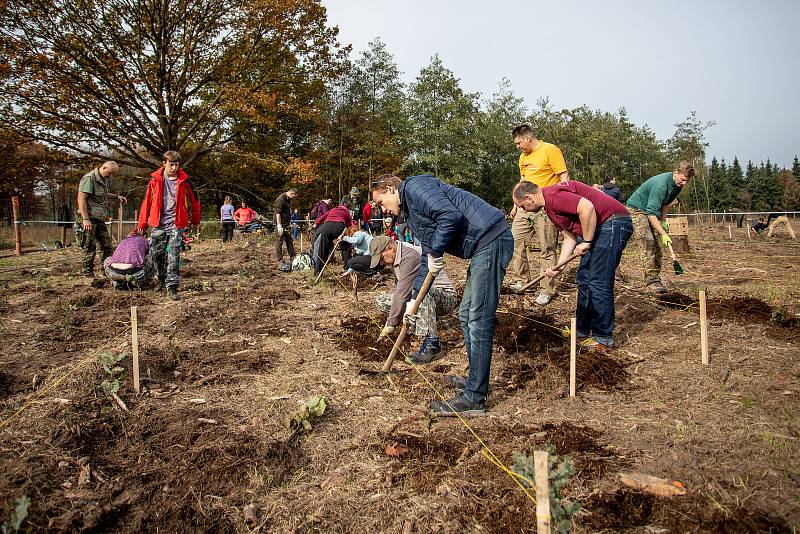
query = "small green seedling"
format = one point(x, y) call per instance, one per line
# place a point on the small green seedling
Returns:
point(303, 419)
point(110, 364)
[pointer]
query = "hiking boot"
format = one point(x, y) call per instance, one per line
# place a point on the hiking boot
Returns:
point(657, 288)
point(592, 345)
point(516, 287)
point(429, 351)
point(173, 293)
point(460, 405)
point(543, 299)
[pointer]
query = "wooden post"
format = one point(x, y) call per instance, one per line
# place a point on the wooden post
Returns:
point(573, 349)
point(135, 348)
point(63, 235)
point(119, 225)
point(730, 235)
point(17, 226)
point(703, 328)
point(748, 230)
point(543, 518)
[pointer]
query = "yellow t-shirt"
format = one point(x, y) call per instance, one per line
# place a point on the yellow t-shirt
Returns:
point(543, 165)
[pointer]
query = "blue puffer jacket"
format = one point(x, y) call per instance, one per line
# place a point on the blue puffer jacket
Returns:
point(444, 218)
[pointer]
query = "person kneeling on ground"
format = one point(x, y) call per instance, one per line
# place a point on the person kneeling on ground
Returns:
point(759, 225)
point(596, 227)
point(443, 219)
point(130, 266)
point(441, 299)
point(356, 257)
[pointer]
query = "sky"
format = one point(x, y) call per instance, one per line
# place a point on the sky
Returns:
point(733, 62)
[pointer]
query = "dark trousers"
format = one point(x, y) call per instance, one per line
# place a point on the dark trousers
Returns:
point(285, 237)
point(98, 236)
point(360, 264)
point(326, 235)
point(226, 229)
point(595, 311)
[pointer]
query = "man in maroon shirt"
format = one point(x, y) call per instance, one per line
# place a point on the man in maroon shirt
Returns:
point(595, 226)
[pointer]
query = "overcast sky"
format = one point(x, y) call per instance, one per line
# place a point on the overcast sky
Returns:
point(733, 62)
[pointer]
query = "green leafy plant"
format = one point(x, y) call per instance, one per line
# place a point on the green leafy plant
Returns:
point(13, 524)
point(304, 418)
point(110, 364)
point(559, 472)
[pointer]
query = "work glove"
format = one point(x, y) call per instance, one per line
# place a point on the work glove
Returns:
point(666, 240)
point(386, 331)
point(435, 265)
point(665, 226)
point(409, 318)
point(279, 228)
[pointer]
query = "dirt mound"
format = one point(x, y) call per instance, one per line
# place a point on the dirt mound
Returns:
point(625, 509)
point(676, 300)
point(599, 371)
point(149, 460)
point(358, 334)
point(517, 332)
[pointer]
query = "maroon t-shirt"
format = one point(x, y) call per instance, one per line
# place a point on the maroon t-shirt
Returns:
point(561, 205)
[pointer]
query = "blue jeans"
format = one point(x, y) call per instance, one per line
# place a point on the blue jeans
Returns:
point(165, 250)
point(479, 308)
point(595, 313)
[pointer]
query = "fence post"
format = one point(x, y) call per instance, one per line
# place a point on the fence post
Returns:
point(17, 226)
point(119, 226)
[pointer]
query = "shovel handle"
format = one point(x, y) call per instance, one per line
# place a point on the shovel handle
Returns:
point(426, 285)
point(672, 252)
point(539, 278)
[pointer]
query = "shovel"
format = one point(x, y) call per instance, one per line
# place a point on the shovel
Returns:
point(676, 266)
point(426, 285)
point(539, 278)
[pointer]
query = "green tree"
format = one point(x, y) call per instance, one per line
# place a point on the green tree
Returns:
point(137, 78)
point(443, 119)
point(796, 168)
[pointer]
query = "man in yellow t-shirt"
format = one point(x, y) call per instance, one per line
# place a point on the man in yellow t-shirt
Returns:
point(543, 164)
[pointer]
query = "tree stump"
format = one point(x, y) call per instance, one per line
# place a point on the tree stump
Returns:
point(679, 232)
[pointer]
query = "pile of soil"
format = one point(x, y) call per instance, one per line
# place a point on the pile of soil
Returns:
point(359, 334)
point(526, 332)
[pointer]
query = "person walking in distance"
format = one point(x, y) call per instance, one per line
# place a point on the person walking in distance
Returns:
point(542, 164)
point(93, 198)
point(165, 209)
point(283, 216)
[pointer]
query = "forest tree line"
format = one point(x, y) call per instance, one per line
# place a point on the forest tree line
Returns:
point(260, 96)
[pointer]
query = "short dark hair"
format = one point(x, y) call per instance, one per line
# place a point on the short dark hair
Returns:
point(525, 188)
point(292, 190)
point(522, 130)
point(685, 168)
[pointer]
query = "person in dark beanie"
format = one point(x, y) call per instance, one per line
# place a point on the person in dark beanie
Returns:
point(283, 217)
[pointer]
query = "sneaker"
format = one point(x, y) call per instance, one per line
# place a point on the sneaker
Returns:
point(173, 293)
point(592, 345)
point(543, 299)
point(516, 287)
point(459, 383)
point(657, 287)
point(460, 405)
point(429, 351)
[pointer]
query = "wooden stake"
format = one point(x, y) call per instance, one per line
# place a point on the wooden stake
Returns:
point(748, 230)
point(17, 226)
point(730, 235)
point(543, 518)
point(573, 349)
point(119, 224)
point(703, 328)
point(135, 348)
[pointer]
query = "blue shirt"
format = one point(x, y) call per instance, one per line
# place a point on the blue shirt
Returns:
point(226, 212)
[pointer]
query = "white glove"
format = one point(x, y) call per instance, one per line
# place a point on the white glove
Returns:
point(279, 228)
point(386, 332)
point(409, 318)
point(435, 265)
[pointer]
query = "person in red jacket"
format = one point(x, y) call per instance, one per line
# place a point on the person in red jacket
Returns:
point(165, 209)
point(330, 226)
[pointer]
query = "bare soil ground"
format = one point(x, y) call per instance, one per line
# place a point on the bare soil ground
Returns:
point(226, 365)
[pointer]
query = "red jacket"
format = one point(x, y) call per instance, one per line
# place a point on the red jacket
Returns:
point(366, 213)
point(150, 214)
point(337, 214)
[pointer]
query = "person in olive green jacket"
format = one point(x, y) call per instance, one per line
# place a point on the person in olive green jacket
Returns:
point(648, 207)
point(93, 198)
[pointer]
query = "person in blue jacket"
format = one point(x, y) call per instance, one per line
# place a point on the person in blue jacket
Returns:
point(445, 219)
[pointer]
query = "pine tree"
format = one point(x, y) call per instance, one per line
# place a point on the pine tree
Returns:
point(796, 168)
